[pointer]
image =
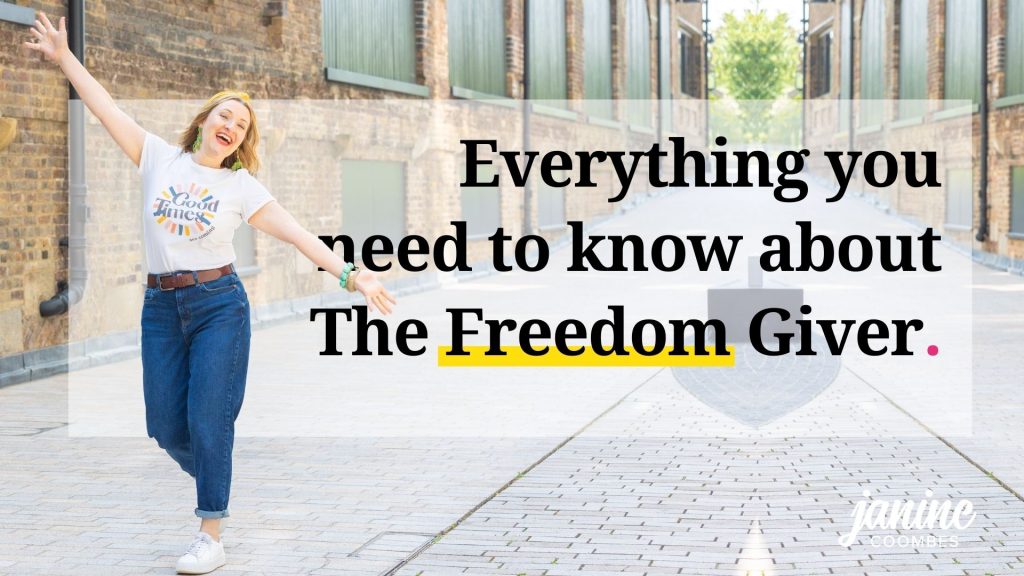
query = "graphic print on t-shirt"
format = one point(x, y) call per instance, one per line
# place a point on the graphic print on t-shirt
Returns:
point(189, 213)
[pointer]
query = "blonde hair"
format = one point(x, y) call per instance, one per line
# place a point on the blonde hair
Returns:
point(246, 153)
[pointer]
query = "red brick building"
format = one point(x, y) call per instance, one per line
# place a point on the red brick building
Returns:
point(582, 53)
point(934, 62)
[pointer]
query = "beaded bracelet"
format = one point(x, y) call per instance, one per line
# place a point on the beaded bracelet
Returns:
point(350, 282)
point(344, 274)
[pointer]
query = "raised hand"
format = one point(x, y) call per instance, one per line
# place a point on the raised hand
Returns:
point(52, 43)
point(49, 41)
point(377, 297)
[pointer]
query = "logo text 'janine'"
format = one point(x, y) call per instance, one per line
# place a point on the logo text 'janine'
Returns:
point(926, 514)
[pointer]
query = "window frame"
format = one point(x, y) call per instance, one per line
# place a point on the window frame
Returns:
point(484, 230)
point(874, 50)
point(17, 14)
point(1016, 195)
point(909, 108)
point(457, 87)
point(370, 80)
point(598, 107)
point(951, 81)
point(821, 64)
point(965, 201)
point(372, 218)
point(534, 63)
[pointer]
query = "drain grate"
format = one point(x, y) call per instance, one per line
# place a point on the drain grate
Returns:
point(391, 542)
point(393, 547)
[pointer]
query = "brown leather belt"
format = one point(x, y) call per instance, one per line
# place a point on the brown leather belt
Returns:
point(173, 280)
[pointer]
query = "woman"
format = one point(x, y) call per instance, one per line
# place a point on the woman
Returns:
point(195, 319)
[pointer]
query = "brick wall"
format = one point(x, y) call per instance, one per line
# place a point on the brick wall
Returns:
point(274, 52)
point(32, 184)
point(958, 139)
point(1006, 140)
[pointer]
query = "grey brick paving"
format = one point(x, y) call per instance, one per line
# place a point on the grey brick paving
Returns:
point(738, 506)
point(641, 491)
point(699, 506)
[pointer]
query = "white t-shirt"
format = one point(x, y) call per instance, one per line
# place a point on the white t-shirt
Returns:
point(191, 211)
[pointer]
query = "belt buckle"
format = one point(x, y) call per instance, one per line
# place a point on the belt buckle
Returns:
point(160, 282)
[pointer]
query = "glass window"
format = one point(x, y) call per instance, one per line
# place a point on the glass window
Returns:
point(689, 64)
point(481, 205)
point(371, 37)
point(597, 57)
point(820, 64)
point(913, 69)
point(845, 53)
point(638, 62)
point(873, 46)
point(372, 199)
point(548, 73)
point(1017, 200)
point(551, 202)
point(476, 45)
point(963, 50)
point(959, 198)
point(1014, 47)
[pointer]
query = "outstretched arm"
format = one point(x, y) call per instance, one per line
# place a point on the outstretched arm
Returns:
point(276, 221)
point(53, 44)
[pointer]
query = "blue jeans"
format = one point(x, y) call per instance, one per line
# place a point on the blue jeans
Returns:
point(195, 354)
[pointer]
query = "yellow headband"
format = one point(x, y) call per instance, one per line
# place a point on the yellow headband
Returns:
point(243, 96)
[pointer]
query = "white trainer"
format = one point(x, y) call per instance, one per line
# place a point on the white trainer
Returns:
point(203, 555)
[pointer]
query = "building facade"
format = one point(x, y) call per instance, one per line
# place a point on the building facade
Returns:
point(894, 65)
point(601, 64)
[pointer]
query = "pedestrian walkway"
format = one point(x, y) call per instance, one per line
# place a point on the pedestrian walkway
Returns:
point(998, 368)
point(611, 504)
point(367, 466)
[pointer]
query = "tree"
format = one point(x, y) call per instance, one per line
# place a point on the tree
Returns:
point(755, 59)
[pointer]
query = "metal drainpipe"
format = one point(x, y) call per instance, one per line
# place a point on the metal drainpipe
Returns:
point(705, 23)
point(71, 293)
point(853, 66)
point(803, 72)
point(527, 198)
point(658, 64)
point(982, 234)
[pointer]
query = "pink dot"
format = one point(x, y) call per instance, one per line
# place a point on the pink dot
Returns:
point(933, 350)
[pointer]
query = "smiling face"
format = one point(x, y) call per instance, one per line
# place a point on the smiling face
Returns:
point(229, 131)
point(225, 128)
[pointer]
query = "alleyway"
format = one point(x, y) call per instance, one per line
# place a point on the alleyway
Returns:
point(360, 463)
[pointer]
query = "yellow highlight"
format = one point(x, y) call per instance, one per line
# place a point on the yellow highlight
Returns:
point(166, 195)
point(187, 231)
point(161, 219)
point(516, 357)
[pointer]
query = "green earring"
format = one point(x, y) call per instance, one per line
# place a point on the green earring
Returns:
point(237, 165)
point(198, 142)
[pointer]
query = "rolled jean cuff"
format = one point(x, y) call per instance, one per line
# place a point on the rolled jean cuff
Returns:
point(208, 514)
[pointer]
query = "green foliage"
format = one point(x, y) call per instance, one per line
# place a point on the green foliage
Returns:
point(755, 57)
point(766, 122)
